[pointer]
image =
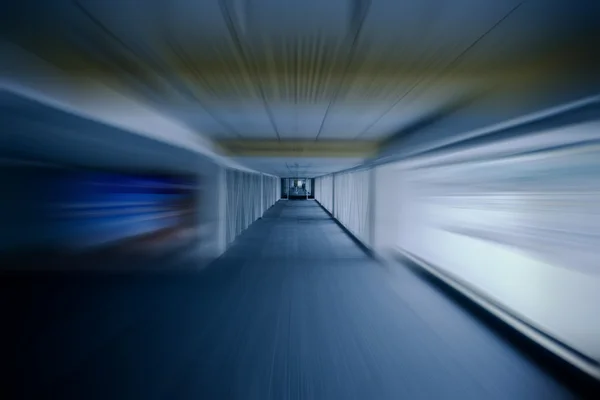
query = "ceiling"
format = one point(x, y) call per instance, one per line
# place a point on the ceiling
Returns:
point(312, 70)
point(299, 167)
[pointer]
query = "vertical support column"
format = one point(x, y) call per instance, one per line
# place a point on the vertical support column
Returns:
point(211, 212)
point(281, 188)
point(221, 188)
point(372, 203)
point(333, 208)
point(386, 210)
point(306, 185)
point(262, 195)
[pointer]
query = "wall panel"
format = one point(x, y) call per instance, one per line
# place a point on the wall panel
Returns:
point(324, 191)
point(352, 202)
point(518, 221)
point(248, 195)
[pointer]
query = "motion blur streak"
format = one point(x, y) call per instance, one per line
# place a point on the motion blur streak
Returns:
point(312, 199)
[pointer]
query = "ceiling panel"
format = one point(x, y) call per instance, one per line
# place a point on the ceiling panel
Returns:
point(295, 17)
point(300, 167)
point(310, 117)
point(303, 69)
point(412, 107)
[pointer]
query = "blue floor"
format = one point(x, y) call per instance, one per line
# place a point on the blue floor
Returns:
point(293, 310)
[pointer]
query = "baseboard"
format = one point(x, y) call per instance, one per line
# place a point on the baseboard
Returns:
point(563, 362)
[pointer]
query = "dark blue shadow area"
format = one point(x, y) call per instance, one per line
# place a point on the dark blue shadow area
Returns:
point(61, 208)
point(294, 309)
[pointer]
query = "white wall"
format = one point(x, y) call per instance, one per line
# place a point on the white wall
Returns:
point(352, 203)
point(524, 230)
point(271, 191)
point(324, 191)
point(247, 197)
point(516, 219)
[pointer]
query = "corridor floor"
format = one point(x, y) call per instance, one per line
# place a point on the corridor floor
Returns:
point(293, 310)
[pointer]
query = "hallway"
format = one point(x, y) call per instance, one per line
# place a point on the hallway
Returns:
point(294, 309)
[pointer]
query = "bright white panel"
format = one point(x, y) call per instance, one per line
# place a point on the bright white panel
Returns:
point(521, 229)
